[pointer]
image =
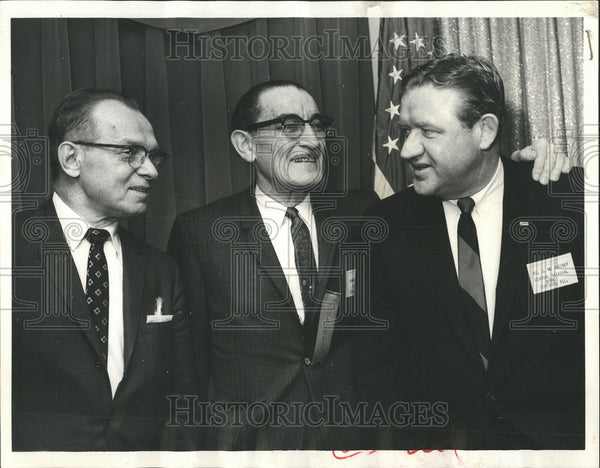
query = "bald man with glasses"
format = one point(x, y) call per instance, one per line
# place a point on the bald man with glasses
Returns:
point(101, 334)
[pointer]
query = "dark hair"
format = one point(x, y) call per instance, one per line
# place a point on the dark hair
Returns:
point(248, 109)
point(475, 77)
point(73, 117)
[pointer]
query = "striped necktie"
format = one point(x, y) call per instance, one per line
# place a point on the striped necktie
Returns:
point(305, 259)
point(470, 277)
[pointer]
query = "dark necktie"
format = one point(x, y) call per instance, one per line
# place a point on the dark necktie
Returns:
point(470, 277)
point(305, 263)
point(97, 285)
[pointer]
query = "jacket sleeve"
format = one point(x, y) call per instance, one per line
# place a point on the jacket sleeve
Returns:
point(182, 430)
point(186, 247)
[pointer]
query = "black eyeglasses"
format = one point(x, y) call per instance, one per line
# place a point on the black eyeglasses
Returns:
point(293, 125)
point(136, 154)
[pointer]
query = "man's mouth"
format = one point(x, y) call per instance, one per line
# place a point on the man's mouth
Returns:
point(419, 166)
point(304, 159)
point(140, 189)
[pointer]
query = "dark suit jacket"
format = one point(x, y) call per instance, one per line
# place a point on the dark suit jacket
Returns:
point(532, 394)
point(250, 344)
point(61, 392)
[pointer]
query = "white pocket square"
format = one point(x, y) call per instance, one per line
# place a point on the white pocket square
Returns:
point(158, 318)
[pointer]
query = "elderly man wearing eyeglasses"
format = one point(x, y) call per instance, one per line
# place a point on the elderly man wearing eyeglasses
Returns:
point(101, 335)
point(264, 283)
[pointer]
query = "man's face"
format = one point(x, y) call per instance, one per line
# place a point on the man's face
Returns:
point(110, 186)
point(285, 164)
point(442, 152)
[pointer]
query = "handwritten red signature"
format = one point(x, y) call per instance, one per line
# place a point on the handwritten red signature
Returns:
point(345, 454)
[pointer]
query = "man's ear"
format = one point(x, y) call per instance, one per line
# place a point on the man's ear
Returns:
point(244, 144)
point(489, 126)
point(69, 158)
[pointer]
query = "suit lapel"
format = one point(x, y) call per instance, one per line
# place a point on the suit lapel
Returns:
point(513, 255)
point(133, 291)
point(253, 234)
point(62, 272)
point(327, 258)
point(435, 245)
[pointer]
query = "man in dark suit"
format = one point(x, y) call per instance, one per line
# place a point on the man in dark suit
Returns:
point(480, 279)
point(266, 282)
point(101, 335)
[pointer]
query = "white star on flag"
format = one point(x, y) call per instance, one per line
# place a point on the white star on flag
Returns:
point(418, 42)
point(398, 41)
point(393, 110)
point(396, 74)
point(391, 144)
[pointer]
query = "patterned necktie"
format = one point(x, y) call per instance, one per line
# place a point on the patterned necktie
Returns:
point(303, 253)
point(97, 285)
point(470, 277)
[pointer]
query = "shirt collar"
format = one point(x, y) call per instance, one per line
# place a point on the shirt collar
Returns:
point(75, 227)
point(488, 192)
point(274, 211)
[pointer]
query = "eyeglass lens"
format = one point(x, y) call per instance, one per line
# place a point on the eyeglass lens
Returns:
point(139, 154)
point(294, 126)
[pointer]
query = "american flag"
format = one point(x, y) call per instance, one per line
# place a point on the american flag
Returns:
point(404, 43)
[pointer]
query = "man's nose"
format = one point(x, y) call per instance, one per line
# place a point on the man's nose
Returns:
point(312, 136)
point(310, 132)
point(412, 146)
point(148, 169)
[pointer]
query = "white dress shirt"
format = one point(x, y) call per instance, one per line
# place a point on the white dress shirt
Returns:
point(487, 215)
point(278, 226)
point(74, 227)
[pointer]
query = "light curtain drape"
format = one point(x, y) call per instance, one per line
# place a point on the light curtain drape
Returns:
point(188, 101)
point(541, 63)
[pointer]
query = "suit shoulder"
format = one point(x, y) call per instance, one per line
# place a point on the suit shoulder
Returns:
point(549, 197)
point(148, 251)
point(395, 205)
point(215, 209)
point(44, 212)
point(355, 202)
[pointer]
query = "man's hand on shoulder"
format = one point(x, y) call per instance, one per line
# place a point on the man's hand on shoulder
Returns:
point(548, 163)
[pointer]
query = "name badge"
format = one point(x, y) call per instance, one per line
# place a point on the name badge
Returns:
point(350, 282)
point(552, 273)
point(329, 307)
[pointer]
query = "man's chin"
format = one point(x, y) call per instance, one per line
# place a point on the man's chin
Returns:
point(423, 189)
point(301, 182)
point(134, 210)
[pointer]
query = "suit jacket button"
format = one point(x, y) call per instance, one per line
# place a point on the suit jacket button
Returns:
point(307, 361)
point(491, 396)
point(98, 364)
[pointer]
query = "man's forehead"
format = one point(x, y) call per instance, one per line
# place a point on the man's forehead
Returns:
point(287, 100)
point(428, 98)
point(113, 118)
